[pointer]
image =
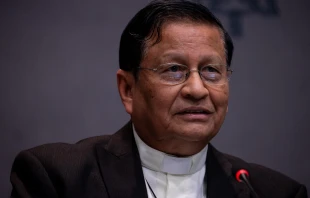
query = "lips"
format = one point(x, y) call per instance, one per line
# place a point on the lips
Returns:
point(194, 114)
point(195, 110)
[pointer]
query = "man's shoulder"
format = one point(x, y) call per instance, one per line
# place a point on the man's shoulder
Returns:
point(63, 155)
point(75, 169)
point(256, 170)
point(84, 145)
point(265, 180)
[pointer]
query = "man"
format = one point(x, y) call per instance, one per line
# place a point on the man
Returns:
point(174, 61)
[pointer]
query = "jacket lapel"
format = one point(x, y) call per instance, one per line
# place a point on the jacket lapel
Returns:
point(121, 170)
point(120, 165)
point(220, 179)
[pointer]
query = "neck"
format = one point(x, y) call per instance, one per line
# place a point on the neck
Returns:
point(154, 159)
point(175, 146)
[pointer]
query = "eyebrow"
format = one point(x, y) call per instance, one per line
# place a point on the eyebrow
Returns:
point(178, 57)
point(214, 60)
point(172, 56)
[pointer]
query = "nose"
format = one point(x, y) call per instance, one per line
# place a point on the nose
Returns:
point(194, 88)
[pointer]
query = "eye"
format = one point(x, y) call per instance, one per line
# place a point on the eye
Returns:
point(211, 73)
point(209, 68)
point(175, 68)
point(172, 68)
point(172, 72)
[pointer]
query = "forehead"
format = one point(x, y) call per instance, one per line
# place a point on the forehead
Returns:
point(184, 39)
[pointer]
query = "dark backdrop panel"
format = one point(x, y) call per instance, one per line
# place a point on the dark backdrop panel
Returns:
point(58, 62)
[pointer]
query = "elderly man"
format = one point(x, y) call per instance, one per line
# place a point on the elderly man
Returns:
point(173, 80)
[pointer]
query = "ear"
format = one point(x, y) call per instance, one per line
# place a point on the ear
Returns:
point(125, 84)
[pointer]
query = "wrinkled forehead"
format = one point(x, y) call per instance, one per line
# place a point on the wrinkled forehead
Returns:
point(156, 32)
point(178, 32)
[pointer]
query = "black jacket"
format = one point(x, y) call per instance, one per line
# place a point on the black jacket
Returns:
point(109, 167)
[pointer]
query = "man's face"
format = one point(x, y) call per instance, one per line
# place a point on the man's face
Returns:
point(168, 117)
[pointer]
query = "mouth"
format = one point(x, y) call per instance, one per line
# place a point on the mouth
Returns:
point(195, 111)
point(194, 114)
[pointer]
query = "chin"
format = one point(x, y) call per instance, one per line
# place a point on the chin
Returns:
point(196, 135)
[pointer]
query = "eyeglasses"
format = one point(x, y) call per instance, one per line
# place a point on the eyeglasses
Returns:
point(174, 74)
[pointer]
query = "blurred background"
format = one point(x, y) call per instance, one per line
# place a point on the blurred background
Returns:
point(58, 63)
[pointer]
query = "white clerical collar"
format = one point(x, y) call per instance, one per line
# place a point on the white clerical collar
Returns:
point(162, 162)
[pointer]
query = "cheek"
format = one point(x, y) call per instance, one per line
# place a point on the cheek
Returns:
point(148, 98)
point(159, 94)
point(160, 104)
point(162, 99)
point(219, 98)
point(156, 99)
